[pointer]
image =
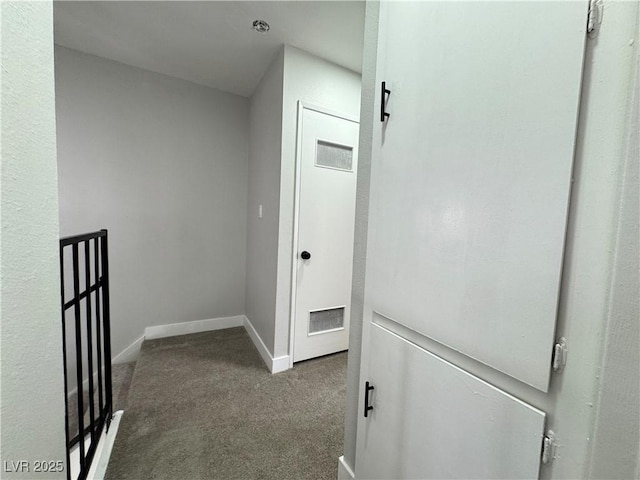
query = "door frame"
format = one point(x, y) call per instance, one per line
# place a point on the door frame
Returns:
point(301, 106)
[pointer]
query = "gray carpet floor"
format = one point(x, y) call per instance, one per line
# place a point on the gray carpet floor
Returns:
point(204, 406)
point(121, 376)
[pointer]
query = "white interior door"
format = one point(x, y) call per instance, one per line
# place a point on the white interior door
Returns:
point(471, 182)
point(328, 156)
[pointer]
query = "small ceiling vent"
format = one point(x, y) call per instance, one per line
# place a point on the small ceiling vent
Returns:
point(261, 26)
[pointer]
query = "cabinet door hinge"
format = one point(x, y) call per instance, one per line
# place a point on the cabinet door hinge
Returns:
point(549, 447)
point(559, 355)
point(594, 16)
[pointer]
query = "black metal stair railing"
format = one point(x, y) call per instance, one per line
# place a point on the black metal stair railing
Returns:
point(86, 344)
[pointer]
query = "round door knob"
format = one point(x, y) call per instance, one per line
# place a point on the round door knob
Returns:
point(305, 255)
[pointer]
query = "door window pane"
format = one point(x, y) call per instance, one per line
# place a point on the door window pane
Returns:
point(334, 156)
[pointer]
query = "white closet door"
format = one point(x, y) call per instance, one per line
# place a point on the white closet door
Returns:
point(432, 420)
point(328, 166)
point(471, 174)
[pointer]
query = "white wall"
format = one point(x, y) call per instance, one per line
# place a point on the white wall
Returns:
point(598, 304)
point(586, 295)
point(316, 81)
point(264, 189)
point(616, 423)
point(32, 395)
point(162, 164)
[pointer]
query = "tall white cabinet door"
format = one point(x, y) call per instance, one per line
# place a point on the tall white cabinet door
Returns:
point(432, 420)
point(471, 174)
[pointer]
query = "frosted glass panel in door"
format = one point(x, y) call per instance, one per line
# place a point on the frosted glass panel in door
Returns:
point(334, 156)
point(471, 174)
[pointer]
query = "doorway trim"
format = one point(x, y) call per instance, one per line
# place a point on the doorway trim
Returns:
point(296, 208)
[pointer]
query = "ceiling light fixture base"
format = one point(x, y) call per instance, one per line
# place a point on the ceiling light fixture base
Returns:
point(260, 26)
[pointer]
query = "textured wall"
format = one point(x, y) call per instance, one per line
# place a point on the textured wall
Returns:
point(162, 164)
point(32, 398)
point(617, 437)
point(264, 189)
point(586, 295)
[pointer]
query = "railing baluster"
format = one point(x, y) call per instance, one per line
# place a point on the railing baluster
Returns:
point(98, 324)
point(106, 314)
point(87, 275)
point(76, 293)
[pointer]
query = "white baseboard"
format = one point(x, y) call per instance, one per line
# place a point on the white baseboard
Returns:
point(101, 456)
point(197, 326)
point(132, 352)
point(344, 471)
point(280, 364)
point(129, 354)
point(103, 451)
point(275, 365)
